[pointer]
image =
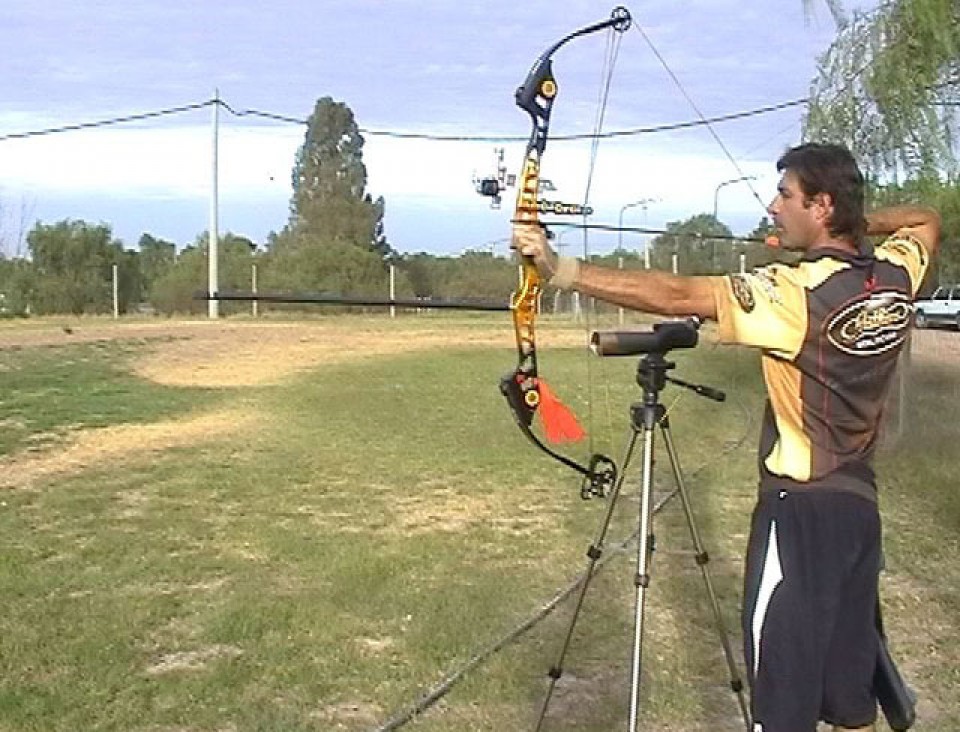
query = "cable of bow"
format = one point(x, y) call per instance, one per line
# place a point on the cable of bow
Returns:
point(703, 119)
point(524, 389)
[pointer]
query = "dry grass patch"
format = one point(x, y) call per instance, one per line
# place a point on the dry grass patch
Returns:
point(192, 660)
point(349, 715)
point(257, 355)
point(124, 443)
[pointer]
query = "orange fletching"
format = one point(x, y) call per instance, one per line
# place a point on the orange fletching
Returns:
point(559, 423)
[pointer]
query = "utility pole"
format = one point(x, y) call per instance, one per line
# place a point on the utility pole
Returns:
point(646, 244)
point(213, 306)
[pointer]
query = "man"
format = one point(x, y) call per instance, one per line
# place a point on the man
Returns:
point(830, 329)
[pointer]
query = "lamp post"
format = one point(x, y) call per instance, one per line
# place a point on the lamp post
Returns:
point(558, 242)
point(716, 192)
point(646, 245)
point(716, 195)
point(642, 202)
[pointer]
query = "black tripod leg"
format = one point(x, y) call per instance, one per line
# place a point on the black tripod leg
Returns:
point(703, 558)
point(593, 553)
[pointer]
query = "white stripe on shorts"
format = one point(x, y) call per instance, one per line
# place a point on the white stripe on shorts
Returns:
point(771, 577)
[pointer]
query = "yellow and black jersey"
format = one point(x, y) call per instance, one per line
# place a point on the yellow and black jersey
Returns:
point(830, 328)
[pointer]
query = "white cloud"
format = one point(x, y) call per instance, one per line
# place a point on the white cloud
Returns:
point(148, 162)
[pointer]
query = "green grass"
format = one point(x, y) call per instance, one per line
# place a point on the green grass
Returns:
point(383, 523)
point(52, 390)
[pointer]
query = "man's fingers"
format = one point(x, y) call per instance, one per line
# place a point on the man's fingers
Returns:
point(527, 239)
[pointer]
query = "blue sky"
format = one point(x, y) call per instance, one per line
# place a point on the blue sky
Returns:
point(423, 66)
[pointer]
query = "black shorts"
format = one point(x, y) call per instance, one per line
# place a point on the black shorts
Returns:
point(810, 599)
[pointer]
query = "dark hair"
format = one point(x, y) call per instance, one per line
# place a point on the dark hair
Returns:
point(831, 169)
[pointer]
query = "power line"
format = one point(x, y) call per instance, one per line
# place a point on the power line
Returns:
point(630, 132)
point(107, 122)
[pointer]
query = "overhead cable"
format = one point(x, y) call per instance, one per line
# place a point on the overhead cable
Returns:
point(107, 122)
point(630, 132)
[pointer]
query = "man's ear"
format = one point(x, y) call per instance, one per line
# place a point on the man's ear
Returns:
point(824, 204)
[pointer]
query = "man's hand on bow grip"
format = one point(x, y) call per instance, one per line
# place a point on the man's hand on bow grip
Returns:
point(531, 241)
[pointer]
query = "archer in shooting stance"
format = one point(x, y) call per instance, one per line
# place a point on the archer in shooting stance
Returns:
point(829, 329)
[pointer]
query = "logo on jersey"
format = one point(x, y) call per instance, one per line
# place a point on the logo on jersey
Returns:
point(742, 292)
point(871, 325)
point(766, 279)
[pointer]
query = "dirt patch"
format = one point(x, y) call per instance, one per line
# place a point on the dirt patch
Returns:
point(349, 715)
point(212, 354)
point(251, 353)
point(125, 442)
point(254, 354)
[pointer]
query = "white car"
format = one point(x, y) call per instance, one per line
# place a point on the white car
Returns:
point(941, 308)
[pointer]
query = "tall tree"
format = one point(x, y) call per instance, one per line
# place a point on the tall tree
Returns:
point(696, 246)
point(330, 202)
point(334, 240)
point(889, 87)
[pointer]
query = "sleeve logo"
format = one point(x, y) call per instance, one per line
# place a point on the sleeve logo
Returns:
point(743, 292)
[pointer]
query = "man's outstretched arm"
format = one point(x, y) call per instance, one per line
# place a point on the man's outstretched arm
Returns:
point(649, 291)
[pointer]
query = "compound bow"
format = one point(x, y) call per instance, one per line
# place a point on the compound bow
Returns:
point(525, 391)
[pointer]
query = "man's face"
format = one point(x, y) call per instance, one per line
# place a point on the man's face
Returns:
point(800, 221)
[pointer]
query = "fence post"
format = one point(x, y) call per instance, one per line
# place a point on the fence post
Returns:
point(253, 288)
point(393, 290)
point(620, 310)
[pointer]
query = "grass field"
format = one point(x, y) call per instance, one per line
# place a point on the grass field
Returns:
point(307, 525)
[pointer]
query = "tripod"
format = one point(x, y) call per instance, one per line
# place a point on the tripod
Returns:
point(645, 416)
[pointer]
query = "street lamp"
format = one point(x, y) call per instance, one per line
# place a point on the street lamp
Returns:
point(558, 242)
point(716, 192)
point(642, 202)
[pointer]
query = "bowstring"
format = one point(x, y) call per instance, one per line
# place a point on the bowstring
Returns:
point(611, 52)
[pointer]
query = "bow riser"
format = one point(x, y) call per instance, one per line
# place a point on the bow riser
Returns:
point(525, 300)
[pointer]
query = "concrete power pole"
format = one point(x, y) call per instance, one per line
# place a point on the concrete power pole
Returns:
point(213, 306)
